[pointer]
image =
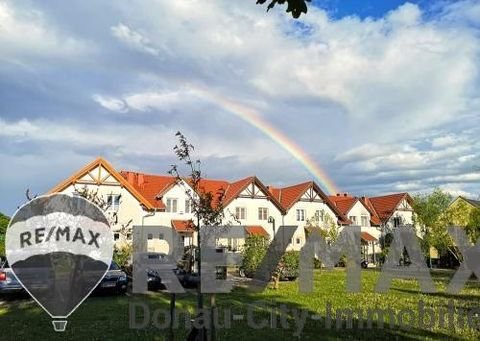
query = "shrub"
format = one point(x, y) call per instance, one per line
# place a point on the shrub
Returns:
point(254, 250)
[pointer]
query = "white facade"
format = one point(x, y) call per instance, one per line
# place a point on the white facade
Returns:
point(254, 205)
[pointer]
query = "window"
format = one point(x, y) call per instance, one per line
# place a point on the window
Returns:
point(353, 219)
point(364, 220)
point(187, 206)
point(298, 240)
point(129, 236)
point(150, 236)
point(171, 205)
point(160, 236)
point(397, 221)
point(319, 216)
point(116, 236)
point(113, 201)
point(241, 213)
point(300, 215)
point(262, 213)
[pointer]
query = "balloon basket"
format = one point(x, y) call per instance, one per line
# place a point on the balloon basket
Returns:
point(59, 325)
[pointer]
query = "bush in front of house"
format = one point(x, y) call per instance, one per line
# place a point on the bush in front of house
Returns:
point(254, 250)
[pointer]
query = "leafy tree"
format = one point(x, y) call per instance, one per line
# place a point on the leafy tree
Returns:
point(254, 249)
point(4, 220)
point(123, 255)
point(296, 7)
point(325, 224)
point(473, 226)
point(207, 207)
point(463, 214)
point(433, 217)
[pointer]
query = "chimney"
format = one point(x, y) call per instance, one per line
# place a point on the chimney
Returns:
point(131, 177)
point(141, 179)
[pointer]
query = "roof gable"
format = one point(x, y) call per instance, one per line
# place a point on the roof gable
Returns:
point(386, 205)
point(241, 188)
point(100, 172)
point(307, 191)
point(474, 203)
point(343, 203)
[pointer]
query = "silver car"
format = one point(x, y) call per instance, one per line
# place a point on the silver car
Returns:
point(8, 282)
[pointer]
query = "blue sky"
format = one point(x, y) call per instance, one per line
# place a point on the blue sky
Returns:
point(364, 8)
point(382, 94)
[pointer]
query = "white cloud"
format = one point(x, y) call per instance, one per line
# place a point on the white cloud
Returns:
point(134, 39)
point(27, 32)
point(110, 103)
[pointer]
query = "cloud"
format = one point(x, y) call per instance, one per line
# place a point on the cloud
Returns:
point(134, 39)
point(382, 104)
point(25, 32)
point(110, 103)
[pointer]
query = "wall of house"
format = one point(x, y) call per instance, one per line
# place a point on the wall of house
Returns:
point(129, 207)
point(358, 210)
point(405, 215)
point(299, 237)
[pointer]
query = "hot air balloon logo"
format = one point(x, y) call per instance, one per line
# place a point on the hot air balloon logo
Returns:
point(59, 247)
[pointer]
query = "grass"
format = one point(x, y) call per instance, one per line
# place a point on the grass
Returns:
point(107, 318)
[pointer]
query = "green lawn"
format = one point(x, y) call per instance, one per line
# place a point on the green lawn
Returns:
point(107, 318)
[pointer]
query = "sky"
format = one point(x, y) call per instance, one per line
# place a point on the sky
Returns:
point(382, 95)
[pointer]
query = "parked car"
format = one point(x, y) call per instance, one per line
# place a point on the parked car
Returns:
point(115, 281)
point(187, 280)
point(8, 282)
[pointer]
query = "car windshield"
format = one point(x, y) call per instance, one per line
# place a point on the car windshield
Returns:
point(114, 266)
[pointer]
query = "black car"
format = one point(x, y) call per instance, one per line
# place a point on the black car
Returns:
point(115, 281)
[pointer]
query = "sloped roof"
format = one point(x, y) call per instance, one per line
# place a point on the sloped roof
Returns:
point(288, 196)
point(235, 188)
point(185, 226)
point(150, 186)
point(475, 203)
point(256, 230)
point(386, 205)
point(100, 162)
point(153, 187)
point(374, 218)
point(368, 237)
point(343, 203)
point(346, 203)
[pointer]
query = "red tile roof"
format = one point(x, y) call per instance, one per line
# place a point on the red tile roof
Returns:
point(288, 196)
point(368, 237)
point(374, 218)
point(185, 226)
point(256, 230)
point(386, 205)
point(150, 186)
point(343, 203)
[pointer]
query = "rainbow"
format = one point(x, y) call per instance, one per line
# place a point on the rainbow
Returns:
point(252, 117)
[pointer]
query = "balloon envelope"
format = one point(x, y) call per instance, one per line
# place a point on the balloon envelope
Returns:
point(59, 248)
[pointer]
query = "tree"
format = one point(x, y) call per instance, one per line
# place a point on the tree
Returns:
point(207, 207)
point(325, 224)
point(4, 221)
point(432, 215)
point(296, 7)
point(461, 213)
point(254, 249)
